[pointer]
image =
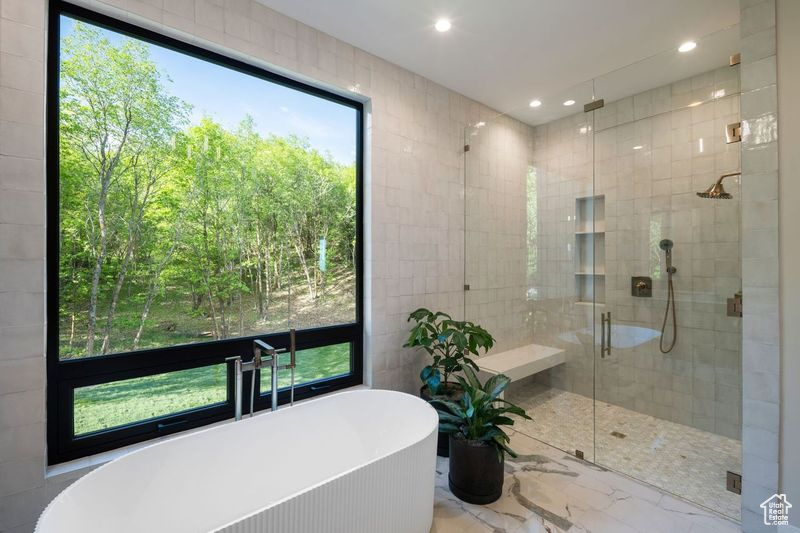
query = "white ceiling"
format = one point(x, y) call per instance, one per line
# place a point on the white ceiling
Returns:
point(504, 53)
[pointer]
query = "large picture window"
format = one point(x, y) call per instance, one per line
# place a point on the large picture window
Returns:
point(195, 203)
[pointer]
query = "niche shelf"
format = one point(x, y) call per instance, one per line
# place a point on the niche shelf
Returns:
point(590, 249)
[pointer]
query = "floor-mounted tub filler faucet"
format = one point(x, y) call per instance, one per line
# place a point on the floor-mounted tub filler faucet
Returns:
point(264, 355)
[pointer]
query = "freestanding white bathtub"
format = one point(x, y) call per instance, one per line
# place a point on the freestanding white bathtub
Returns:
point(360, 461)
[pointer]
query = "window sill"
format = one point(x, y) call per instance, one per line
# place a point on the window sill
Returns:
point(72, 470)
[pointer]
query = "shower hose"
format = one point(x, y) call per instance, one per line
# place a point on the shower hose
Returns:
point(670, 303)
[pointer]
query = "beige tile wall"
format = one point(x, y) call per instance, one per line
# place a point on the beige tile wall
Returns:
point(563, 165)
point(649, 194)
point(22, 371)
point(414, 217)
point(500, 153)
point(760, 259)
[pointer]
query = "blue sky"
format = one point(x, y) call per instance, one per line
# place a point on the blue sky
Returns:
point(227, 96)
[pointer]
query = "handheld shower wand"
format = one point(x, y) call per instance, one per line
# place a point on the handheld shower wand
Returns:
point(666, 245)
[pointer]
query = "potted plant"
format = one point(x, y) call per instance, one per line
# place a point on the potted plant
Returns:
point(450, 343)
point(477, 443)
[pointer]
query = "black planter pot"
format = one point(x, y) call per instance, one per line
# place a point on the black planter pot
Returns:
point(454, 393)
point(476, 476)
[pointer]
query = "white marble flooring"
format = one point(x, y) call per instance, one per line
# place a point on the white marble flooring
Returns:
point(685, 461)
point(549, 491)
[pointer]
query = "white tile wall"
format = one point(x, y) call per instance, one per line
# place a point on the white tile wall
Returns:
point(415, 204)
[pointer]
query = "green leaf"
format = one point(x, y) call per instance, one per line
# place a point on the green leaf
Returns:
point(472, 378)
point(503, 421)
point(496, 385)
point(449, 418)
point(448, 406)
point(449, 428)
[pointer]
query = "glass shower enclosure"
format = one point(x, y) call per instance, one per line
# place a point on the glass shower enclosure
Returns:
point(577, 216)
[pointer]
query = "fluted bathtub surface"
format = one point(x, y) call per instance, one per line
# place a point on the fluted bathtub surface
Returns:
point(355, 461)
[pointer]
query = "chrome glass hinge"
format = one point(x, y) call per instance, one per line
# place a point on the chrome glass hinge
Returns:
point(735, 306)
point(733, 482)
point(594, 104)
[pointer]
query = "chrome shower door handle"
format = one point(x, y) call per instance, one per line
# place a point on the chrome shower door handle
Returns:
point(605, 334)
point(602, 335)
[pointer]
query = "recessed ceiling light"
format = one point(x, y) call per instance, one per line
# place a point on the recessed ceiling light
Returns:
point(688, 46)
point(695, 104)
point(442, 25)
point(535, 103)
point(569, 102)
point(638, 147)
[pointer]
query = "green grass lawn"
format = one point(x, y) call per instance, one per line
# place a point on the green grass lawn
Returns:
point(114, 404)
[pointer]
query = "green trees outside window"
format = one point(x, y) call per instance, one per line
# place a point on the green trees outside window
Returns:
point(180, 223)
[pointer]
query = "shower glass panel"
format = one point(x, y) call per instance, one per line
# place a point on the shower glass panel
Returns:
point(575, 222)
point(533, 260)
point(668, 400)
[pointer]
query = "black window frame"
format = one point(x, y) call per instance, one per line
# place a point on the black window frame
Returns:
point(64, 376)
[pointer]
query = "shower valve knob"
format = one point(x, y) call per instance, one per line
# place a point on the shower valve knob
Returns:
point(641, 287)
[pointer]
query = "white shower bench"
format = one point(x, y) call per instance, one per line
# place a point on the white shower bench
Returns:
point(520, 362)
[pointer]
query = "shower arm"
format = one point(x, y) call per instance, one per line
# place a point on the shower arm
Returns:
point(719, 181)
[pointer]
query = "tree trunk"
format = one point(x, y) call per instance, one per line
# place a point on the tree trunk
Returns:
point(106, 170)
point(278, 268)
point(98, 264)
point(259, 278)
point(241, 314)
point(123, 269)
point(151, 291)
point(267, 280)
point(217, 332)
point(298, 247)
point(71, 329)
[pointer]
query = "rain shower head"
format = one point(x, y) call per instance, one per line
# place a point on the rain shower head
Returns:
point(717, 191)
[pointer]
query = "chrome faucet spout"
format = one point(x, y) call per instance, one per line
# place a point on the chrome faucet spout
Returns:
point(260, 347)
point(264, 355)
point(239, 368)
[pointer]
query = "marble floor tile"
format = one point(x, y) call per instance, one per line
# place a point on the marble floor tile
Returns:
point(549, 491)
point(682, 460)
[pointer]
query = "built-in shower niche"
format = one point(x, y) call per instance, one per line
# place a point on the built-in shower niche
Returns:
point(590, 249)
